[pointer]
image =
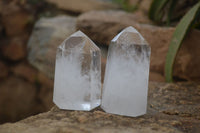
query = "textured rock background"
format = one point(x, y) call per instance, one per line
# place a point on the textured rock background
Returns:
point(101, 27)
point(109, 23)
point(24, 90)
point(83, 6)
point(172, 108)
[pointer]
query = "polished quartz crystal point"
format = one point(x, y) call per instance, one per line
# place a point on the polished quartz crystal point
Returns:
point(125, 87)
point(77, 83)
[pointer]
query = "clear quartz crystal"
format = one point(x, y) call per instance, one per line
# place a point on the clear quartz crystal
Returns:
point(77, 84)
point(125, 87)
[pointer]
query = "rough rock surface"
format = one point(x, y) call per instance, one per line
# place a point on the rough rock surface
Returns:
point(47, 34)
point(102, 26)
point(1, 28)
point(46, 91)
point(14, 18)
point(17, 99)
point(15, 50)
point(25, 71)
point(4, 70)
point(154, 76)
point(143, 5)
point(172, 108)
point(83, 6)
point(24, 92)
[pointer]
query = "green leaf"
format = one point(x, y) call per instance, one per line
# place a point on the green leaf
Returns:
point(155, 12)
point(180, 32)
point(171, 10)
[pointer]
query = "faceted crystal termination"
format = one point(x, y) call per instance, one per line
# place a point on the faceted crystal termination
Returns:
point(127, 71)
point(77, 84)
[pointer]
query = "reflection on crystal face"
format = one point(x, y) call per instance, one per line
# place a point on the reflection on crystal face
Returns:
point(77, 84)
point(126, 79)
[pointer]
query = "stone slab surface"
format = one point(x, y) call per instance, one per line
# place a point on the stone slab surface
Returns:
point(172, 108)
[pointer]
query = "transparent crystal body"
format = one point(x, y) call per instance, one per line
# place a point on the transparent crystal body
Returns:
point(125, 87)
point(77, 83)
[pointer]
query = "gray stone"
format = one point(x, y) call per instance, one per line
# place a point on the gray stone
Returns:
point(47, 34)
point(172, 108)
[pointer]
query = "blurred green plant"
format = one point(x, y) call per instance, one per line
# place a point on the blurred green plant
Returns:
point(156, 12)
point(163, 11)
point(190, 20)
point(125, 4)
point(168, 11)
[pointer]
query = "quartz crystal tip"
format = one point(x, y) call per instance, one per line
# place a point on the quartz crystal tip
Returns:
point(125, 86)
point(79, 41)
point(77, 82)
point(129, 36)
